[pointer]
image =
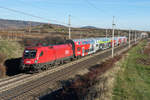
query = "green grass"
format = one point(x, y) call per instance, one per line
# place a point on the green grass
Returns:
point(133, 81)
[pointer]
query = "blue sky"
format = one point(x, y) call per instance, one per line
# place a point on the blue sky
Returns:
point(133, 14)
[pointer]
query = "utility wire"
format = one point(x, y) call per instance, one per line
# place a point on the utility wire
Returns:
point(75, 25)
point(27, 14)
point(92, 5)
point(31, 5)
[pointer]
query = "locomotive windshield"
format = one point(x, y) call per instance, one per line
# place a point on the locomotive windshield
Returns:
point(30, 54)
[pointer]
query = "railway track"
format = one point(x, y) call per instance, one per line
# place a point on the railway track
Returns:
point(28, 77)
point(10, 78)
point(8, 83)
point(29, 86)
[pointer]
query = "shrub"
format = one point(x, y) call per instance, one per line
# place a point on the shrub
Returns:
point(2, 68)
point(2, 58)
point(2, 71)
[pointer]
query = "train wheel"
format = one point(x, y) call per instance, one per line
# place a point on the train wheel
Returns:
point(44, 68)
point(69, 59)
point(62, 62)
point(35, 71)
point(72, 58)
point(57, 63)
point(78, 57)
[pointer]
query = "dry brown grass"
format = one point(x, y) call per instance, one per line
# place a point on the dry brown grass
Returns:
point(106, 81)
point(2, 57)
point(2, 68)
point(147, 49)
point(88, 85)
point(2, 71)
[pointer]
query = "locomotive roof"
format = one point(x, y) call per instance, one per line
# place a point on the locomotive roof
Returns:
point(44, 46)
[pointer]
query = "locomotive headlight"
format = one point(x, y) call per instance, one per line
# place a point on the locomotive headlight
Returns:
point(36, 61)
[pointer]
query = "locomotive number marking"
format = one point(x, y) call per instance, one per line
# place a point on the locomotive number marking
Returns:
point(28, 62)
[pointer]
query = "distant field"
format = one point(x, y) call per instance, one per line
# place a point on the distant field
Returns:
point(44, 30)
point(133, 81)
point(19, 29)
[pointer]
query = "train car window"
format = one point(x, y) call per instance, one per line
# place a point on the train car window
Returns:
point(86, 51)
point(79, 43)
point(41, 54)
point(92, 49)
point(78, 49)
point(96, 45)
point(86, 42)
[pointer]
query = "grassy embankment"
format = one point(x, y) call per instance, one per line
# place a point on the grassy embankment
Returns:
point(8, 50)
point(133, 81)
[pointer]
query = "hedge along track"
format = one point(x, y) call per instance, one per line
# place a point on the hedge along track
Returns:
point(25, 88)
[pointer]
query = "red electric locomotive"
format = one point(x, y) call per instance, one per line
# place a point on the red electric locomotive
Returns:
point(40, 57)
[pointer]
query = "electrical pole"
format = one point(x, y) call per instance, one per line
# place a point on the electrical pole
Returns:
point(135, 36)
point(106, 33)
point(113, 31)
point(69, 25)
point(132, 35)
point(30, 27)
point(80, 35)
point(129, 38)
point(118, 32)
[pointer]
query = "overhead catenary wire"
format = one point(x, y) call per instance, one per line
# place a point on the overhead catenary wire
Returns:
point(39, 17)
point(42, 9)
point(98, 9)
point(31, 15)
point(95, 7)
point(34, 16)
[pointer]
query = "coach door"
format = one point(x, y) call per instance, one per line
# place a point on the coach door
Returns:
point(83, 51)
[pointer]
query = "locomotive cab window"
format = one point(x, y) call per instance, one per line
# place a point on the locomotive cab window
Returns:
point(29, 54)
point(41, 54)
